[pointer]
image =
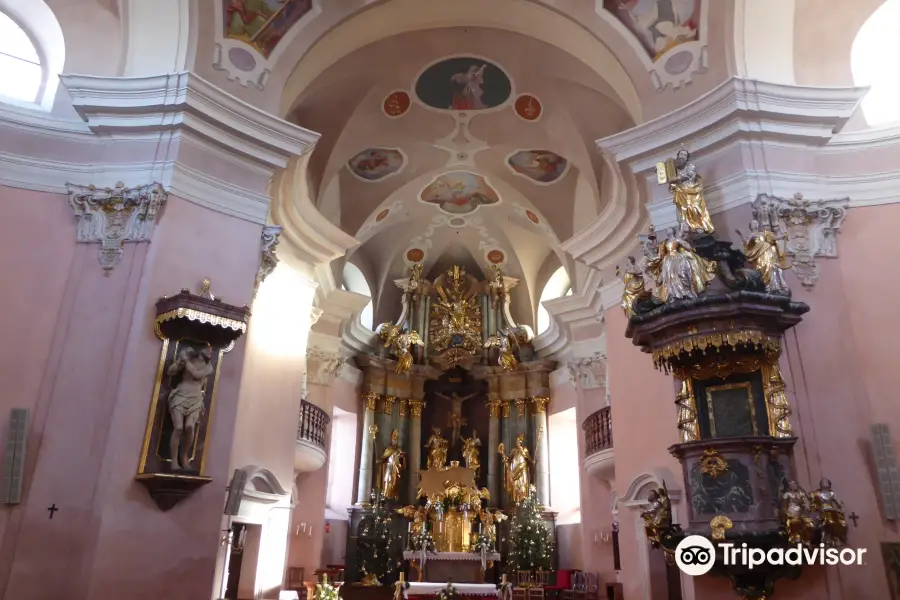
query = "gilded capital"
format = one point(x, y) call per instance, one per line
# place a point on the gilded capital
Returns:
point(404, 408)
point(540, 403)
point(371, 399)
point(520, 406)
point(389, 404)
point(416, 406)
point(505, 405)
point(494, 407)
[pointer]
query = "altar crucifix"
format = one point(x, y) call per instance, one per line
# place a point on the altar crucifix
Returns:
point(455, 420)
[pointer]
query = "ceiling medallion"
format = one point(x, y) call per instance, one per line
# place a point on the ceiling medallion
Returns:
point(496, 257)
point(463, 83)
point(396, 104)
point(532, 217)
point(528, 107)
point(382, 215)
point(542, 167)
point(375, 164)
point(415, 255)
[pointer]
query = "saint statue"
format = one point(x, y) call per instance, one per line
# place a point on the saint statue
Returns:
point(678, 271)
point(658, 515)
point(471, 452)
point(503, 340)
point(795, 510)
point(418, 514)
point(437, 450)
point(763, 252)
point(186, 401)
point(830, 513)
point(635, 290)
point(496, 285)
point(402, 345)
point(393, 461)
point(687, 190)
point(455, 419)
point(516, 468)
point(489, 520)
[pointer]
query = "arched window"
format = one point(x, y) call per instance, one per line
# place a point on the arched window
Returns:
point(871, 64)
point(556, 287)
point(20, 66)
point(355, 281)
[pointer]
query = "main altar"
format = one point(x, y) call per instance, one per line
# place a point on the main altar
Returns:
point(454, 432)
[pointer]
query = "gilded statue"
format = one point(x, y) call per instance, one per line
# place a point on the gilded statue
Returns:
point(795, 509)
point(679, 273)
point(763, 252)
point(455, 420)
point(687, 191)
point(471, 452)
point(392, 464)
point(457, 310)
point(388, 332)
point(402, 344)
point(635, 289)
point(190, 369)
point(516, 469)
point(503, 340)
point(489, 520)
point(657, 516)
point(496, 285)
point(437, 450)
point(830, 515)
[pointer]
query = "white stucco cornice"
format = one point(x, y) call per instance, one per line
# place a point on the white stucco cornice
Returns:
point(802, 115)
point(568, 314)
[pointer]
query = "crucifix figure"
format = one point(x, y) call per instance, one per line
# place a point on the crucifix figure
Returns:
point(455, 419)
point(853, 517)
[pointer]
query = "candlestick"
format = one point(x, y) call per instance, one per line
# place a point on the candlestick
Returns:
point(402, 577)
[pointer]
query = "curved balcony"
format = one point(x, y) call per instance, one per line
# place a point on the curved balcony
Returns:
point(599, 454)
point(312, 432)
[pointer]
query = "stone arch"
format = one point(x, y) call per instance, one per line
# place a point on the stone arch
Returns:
point(643, 484)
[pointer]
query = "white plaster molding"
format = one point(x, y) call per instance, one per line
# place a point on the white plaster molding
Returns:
point(268, 257)
point(322, 368)
point(805, 115)
point(308, 457)
point(601, 465)
point(643, 484)
point(569, 313)
point(261, 492)
point(113, 216)
point(561, 377)
point(811, 228)
point(351, 375)
point(589, 373)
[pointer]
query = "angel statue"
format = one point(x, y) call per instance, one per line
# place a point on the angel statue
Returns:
point(658, 515)
point(830, 515)
point(417, 514)
point(489, 520)
point(393, 461)
point(471, 452)
point(678, 271)
point(414, 285)
point(795, 514)
point(516, 468)
point(763, 252)
point(635, 290)
point(402, 344)
point(687, 191)
point(503, 340)
point(437, 449)
point(388, 332)
point(496, 285)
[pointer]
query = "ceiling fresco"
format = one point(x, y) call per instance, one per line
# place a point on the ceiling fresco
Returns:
point(541, 166)
point(659, 25)
point(459, 192)
point(463, 83)
point(375, 164)
point(262, 23)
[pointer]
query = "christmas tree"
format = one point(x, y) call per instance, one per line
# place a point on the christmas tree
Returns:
point(377, 546)
point(530, 544)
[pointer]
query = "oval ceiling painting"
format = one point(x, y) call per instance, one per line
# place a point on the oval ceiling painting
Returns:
point(374, 164)
point(463, 83)
point(459, 192)
point(541, 166)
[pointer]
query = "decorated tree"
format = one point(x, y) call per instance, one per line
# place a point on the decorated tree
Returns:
point(530, 543)
point(377, 547)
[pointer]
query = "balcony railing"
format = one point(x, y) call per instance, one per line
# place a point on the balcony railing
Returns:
point(313, 424)
point(598, 432)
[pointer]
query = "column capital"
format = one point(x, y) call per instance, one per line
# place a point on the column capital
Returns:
point(520, 406)
point(322, 368)
point(404, 408)
point(494, 407)
point(540, 403)
point(388, 407)
point(416, 406)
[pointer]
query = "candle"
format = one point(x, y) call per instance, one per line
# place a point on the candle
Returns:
point(402, 577)
point(503, 579)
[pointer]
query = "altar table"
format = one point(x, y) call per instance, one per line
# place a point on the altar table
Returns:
point(462, 567)
point(464, 589)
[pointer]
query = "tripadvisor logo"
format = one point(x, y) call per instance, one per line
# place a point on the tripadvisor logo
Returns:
point(696, 555)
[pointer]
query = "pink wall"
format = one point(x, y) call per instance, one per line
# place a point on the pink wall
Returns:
point(90, 411)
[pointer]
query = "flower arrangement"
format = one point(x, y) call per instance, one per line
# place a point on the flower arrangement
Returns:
point(448, 593)
point(423, 541)
point(482, 544)
point(325, 591)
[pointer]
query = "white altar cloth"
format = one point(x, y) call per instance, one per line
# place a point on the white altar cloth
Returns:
point(464, 589)
point(415, 555)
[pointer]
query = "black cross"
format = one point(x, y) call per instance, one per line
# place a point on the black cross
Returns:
point(52, 509)
point(853, 517)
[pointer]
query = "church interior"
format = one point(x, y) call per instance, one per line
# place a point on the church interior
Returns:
point(421, 300)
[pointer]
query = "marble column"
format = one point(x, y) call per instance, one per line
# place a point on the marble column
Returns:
point(415, 446)
point(493, 459)
point(364, 487)
point(542, 449)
